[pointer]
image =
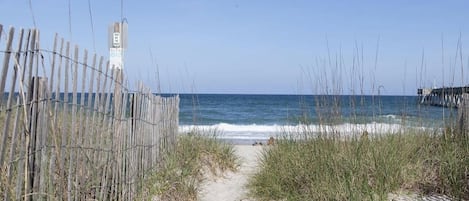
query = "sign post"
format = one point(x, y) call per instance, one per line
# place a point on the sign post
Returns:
point(117, 44)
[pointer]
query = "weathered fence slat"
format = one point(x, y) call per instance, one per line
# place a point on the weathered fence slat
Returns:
point(32, 140)
point(9, 111)
point(6, 61)
point(96, 126)
point(72, 165)
point(80, 175)
point(55, 150)
point(22, 100)
point(100, 118)
point(87, 133)
point(48, 152)
point(65, 125)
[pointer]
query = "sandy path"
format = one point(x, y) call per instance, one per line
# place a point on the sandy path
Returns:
point(231, 187)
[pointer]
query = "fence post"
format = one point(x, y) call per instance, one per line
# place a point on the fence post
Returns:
point(463, 113)
point(42, 156)
point(37, 90)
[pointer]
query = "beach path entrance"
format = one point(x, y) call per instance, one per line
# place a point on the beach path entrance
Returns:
point(232, 185)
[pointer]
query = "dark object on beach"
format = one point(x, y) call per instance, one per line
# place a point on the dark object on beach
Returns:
point(271, 141)
point(257, 143)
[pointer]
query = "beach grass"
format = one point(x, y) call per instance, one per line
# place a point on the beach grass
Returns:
point(327, 168)
point(330, 165)
point(197, 155)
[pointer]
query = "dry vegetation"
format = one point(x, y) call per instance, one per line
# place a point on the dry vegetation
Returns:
point(197, 154)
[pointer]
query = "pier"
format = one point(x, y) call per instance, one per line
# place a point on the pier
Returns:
point(443, 97)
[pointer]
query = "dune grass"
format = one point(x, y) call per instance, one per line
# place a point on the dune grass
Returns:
point(326, 168)
point(196, 155)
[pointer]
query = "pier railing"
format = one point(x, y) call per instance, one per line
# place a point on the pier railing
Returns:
point(70, 128)
point(444, 97)
point(457, 97)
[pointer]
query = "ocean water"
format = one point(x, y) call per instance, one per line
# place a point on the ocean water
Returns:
point(249, 118)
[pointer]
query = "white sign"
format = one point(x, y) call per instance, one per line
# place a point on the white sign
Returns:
point(116, 39)
point(115, 58)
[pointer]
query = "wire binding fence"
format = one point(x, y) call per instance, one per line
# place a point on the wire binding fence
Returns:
point(71, 130)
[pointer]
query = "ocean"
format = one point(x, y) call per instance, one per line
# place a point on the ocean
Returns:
point(244, 119)
point(249, 118)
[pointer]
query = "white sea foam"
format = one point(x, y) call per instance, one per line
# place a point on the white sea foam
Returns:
point(253, 131)
point(391, 116)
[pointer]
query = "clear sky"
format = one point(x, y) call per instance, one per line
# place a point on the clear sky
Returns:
point(267, 46)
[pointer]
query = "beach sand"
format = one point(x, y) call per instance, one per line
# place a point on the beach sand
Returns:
point(231, 186)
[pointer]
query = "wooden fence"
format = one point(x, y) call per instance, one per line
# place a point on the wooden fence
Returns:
point(71, 130)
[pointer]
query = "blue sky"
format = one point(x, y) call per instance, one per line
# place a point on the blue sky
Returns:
point(269, 47)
